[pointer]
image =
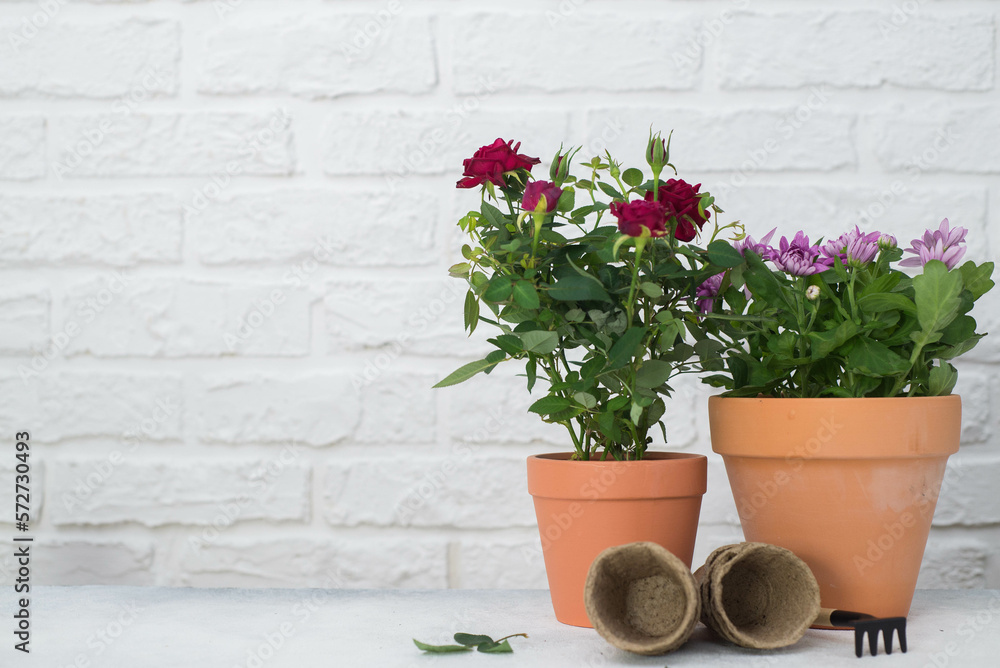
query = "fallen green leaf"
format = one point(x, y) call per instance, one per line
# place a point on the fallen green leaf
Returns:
point(440, 649)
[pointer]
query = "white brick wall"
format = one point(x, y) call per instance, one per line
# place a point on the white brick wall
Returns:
point(225, 228)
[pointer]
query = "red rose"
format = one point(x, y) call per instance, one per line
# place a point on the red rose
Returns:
point(534, 191)
point(633, 216)
point(681, 200)
point(490, 162)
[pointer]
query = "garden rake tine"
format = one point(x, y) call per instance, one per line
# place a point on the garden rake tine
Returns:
point(872, 627)
point(862, 624)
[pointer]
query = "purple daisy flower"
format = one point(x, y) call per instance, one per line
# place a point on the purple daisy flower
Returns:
point(708, 291)
point(853, 247)
point(945, 244)
point(799, 258)
point(761, 248)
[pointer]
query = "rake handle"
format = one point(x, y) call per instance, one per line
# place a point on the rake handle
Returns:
point(831, 617)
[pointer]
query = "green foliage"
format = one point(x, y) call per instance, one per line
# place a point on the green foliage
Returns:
point(870, 331)
point(601, 321)
point(469, 641)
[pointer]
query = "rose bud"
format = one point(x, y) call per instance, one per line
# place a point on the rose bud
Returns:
point(536, 190)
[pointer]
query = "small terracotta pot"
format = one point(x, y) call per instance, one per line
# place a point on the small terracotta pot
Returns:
point(848, 485)
point(642, 599)
point(585, 507)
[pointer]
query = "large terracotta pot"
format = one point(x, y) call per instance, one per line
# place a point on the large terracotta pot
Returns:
point(848, 485)
point(584, 507)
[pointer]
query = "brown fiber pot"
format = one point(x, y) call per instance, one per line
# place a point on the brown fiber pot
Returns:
point(848, 485)
point(584, 507)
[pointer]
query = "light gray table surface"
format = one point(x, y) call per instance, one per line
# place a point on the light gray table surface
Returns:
point(139, 627)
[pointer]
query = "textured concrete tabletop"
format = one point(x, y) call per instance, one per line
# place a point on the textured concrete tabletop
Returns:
point(140, 627)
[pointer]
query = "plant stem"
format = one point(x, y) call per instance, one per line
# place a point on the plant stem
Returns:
point(640, 243)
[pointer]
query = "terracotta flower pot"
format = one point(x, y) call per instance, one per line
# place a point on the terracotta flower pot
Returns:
point(848, 485)
point(585, 507)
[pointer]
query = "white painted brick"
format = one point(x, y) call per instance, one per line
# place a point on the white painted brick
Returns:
point(24, 327)
point(679, 419)
point(36, 475)
point(173, 317)
point(494, 409)
point(218, 144)
point(57, 405)
point(807, 136)
point(977, 402)
point(374, 563)
point(987, 315)
point(712, 537)
point(135, 58)
point(968, 496)
point(209, 493)
point(396, 407)
point(903, 207)
point(397, 317)
point(717, 505)
point(311, 227)
point(89, 562)
point(463, 490)
point(950, 566)
point(499, 564)
point(242, 408)
point(399, 143)
point(22, 147)
point(858, 49)
point(319, 57)
point(640, 54)
point(938, 139)
point(115, 229)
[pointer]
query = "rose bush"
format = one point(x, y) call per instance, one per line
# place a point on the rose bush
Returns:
point(603, 315)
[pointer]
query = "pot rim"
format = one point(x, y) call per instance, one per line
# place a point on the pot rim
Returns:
point(661, 475)
point(798, 429)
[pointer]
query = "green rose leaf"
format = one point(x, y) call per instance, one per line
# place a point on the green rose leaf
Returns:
point(471, 639)
point(525, 294)
point(585, 399)
point(632, 176)
point(471, 311)
point(549, 404)
point(610, 191)
point(509, 343)
point(502, 647)
point(653, 373)
point(624, 348)
point(651, 289)
point(493, 214)
point(465, 372)
point(635, 413)
point(566, 200)
point(722, 254)
point(499, 289)
point(539, 341)
point(575, 288)
point(440, 649)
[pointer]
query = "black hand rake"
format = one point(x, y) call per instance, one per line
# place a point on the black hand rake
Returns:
point(862, 624)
